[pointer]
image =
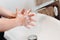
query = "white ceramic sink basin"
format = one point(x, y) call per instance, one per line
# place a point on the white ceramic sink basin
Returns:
point(47, 28)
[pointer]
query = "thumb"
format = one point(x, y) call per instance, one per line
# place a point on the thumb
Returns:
point(16, 10)
point(22, 11)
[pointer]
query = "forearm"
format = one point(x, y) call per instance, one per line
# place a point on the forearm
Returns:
point(6, 13)
point(6, 24)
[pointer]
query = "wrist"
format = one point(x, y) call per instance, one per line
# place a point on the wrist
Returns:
point(17, 22)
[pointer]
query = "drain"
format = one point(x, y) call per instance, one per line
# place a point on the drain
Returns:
point(32, 37)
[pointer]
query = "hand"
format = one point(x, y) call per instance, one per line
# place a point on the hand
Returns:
point(24, 17)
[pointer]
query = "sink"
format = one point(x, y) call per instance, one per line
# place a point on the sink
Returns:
point(46, 28)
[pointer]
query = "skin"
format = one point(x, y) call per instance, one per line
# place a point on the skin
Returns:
point(6, 13)
point(20, 19)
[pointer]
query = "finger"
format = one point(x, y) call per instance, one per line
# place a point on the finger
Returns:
point(30, 15)
point(22, 12)
point(27, 12)
point(32, 20)
point(16, 10)
point(27, 26)
point(31, 24)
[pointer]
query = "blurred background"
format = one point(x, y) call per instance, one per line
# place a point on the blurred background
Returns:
point(52, 9)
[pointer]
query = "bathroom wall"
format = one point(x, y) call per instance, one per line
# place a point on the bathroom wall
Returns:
point(38, 2)
point(13, 4)
point(59, 10)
